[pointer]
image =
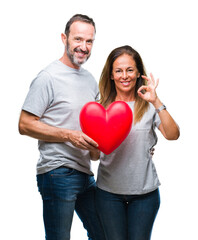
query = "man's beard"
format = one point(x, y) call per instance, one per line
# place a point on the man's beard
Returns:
point(72, 57)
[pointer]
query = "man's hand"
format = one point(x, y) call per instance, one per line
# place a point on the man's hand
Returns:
point(81, 140)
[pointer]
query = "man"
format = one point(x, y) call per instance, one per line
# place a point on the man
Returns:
point(51, 114)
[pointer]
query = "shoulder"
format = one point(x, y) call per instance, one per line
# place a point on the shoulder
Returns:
point(51, 69)
point(43, 80)
point(148, 118)
point(87, 73)
point(150, 113)
point(45, 76)
point(151, 108)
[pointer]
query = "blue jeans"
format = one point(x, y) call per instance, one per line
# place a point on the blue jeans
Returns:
point(127, 217)
point(64, 190)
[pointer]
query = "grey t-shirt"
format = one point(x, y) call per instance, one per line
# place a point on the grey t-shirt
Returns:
point(57, 95)
point(129, 169)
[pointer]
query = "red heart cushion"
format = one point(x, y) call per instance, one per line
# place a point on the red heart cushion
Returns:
point(108, 127)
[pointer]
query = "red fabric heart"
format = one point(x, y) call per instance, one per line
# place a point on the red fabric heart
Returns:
point(108, 127)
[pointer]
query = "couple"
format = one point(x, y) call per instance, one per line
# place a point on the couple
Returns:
point(125, 204)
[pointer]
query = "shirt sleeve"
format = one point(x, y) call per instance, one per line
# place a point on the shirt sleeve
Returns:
point(157, 120)
point(97, 98)
point(40, 95)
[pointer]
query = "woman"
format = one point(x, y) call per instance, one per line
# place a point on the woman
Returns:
point(127, 196)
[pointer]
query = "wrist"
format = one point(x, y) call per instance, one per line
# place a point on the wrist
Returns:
point(157, 103)
point(159, 106)
point(66, 135)
point(163, 107)
point(95, 155)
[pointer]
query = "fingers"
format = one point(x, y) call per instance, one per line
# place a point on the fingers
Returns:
point(90, 141)
point(157, 82)
point(146, 78)
point(86, 145)
point(82, 141)
point(151, 80)
point(152, 151)
point(143, 87)
point(152, 77)
point(141, 90)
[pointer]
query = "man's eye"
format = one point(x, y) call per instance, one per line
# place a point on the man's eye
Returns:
point(89, 42)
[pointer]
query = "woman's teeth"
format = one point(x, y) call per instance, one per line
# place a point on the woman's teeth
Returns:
point(126, 83)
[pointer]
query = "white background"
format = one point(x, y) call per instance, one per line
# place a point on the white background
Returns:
point(165, 34)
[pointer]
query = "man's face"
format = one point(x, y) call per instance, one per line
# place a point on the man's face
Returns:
point(80, 42)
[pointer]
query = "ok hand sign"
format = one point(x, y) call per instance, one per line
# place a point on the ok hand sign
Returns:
point(149, 90)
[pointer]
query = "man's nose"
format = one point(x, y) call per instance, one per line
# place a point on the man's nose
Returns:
point(83, 46)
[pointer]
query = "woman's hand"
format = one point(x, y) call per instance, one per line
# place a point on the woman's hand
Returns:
point(148, 92)
point(168, 126)
point(95, 155)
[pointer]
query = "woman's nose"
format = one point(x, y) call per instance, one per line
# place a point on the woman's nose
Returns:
point(124, 75)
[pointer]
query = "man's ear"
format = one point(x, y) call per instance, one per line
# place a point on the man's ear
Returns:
point(64, 38)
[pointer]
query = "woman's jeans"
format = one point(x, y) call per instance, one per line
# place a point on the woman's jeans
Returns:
point(64, 190)
point(127, 217)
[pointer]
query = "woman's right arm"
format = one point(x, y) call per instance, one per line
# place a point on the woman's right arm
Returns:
point(168, 126)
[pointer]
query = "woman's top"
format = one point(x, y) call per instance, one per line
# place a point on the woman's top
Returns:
point(129, 169)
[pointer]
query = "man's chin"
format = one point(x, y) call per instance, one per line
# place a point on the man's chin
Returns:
point(79, 62)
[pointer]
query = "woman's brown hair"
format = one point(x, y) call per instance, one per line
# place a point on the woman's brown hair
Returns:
point(107, 86)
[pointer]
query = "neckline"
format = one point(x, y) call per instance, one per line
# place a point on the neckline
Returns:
point(69, 68)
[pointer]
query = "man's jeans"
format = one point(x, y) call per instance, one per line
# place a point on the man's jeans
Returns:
point(127, 217)
point(64, 190)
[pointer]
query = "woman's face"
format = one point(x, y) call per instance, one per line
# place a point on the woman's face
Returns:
point(125, 74)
